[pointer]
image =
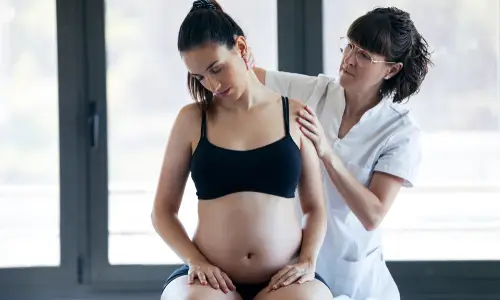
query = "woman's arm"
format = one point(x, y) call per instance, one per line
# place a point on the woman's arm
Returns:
point(312, 202)
point(173, 177)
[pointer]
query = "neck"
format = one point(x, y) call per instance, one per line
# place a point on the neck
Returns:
point(254, 94)
point(357, 103)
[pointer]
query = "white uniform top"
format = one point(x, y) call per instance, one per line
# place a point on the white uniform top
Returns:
point(385, 139)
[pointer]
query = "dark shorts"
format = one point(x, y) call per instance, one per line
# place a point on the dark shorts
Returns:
point(246, 291)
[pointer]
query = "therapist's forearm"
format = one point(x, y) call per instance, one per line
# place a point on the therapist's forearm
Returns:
point(363, 203)
point(313, 235)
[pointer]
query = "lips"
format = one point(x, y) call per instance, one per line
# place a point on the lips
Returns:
point(223, 93)
point(347, 72)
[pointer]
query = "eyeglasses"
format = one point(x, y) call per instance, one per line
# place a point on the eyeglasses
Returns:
point(363, 57)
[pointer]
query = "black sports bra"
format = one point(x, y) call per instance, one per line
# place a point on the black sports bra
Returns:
point(271, 169)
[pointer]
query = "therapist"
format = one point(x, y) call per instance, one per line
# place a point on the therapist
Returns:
point(368, 143)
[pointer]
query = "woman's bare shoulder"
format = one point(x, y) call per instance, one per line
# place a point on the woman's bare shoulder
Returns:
point(188, 121)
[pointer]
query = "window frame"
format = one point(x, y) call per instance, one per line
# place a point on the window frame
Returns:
point(72, 193)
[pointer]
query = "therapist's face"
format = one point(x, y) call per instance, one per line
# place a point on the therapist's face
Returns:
point(360, 69)
point(218, 68)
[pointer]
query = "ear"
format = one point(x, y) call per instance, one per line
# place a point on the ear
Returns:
point(393, 70)
point(240, 43)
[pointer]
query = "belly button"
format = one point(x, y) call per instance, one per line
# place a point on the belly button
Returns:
point(249, 256)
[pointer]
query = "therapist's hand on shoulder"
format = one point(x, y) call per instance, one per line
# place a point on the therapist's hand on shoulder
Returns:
point(296, 273)
point(249, 59)
point(312, 129)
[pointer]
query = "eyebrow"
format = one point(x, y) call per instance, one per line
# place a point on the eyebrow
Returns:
point(209, 66)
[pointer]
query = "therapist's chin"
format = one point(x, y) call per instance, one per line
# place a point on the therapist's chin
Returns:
point(346, 79)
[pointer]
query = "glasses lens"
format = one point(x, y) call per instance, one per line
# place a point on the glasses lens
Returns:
point(343, 44)
point(359, 59)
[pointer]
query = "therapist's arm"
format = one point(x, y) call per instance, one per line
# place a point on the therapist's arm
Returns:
point(396, 167)
point(295, 86)
point(261, 74)
point(370, 205)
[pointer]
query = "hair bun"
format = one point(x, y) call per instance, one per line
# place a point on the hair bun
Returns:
point(203, 4)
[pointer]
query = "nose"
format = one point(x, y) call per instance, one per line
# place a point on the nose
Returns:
point(350, 58)
point(213, 84)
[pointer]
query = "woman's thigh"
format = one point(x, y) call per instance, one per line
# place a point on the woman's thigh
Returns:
point(179, 289)
point(312, 290)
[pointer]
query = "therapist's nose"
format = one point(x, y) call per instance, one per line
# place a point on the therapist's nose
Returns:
point(350, 58)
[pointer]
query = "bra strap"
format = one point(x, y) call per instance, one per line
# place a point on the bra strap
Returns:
point(286, 114)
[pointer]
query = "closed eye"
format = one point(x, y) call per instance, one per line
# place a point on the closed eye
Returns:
point(215, 70)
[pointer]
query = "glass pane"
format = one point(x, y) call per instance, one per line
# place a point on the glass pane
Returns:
point(29, 135)
point(454, 212)
point(146, 86)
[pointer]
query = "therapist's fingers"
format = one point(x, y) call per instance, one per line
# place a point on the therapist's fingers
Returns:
point(248, 56)
point(310, 110)
point(310, 126)
point(306, 115)
point(311, 136)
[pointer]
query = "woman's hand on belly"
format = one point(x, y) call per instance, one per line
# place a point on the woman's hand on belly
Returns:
point(300, 272)
point(208, 273)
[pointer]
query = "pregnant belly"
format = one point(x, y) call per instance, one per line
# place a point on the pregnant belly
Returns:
point(249, 236)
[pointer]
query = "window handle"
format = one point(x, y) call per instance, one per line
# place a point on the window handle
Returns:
point(93, 126)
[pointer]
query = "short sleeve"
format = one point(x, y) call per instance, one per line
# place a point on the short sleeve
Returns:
point(402, 155)
point(308, 89)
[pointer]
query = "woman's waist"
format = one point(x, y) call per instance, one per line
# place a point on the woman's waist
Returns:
point(249, 213)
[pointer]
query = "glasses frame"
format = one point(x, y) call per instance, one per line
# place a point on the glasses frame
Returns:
point(357, 49)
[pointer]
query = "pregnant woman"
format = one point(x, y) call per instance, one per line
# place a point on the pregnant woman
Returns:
point(249, 243)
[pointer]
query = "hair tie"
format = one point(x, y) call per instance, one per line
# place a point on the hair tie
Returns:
point(203, 4)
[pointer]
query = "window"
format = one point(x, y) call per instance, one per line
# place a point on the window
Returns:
point(145, 90)
point(74, 217)
point(453, 213)
point(29, 135)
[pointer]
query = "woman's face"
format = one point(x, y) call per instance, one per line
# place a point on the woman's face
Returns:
point(221, 70)
point(361, 70)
